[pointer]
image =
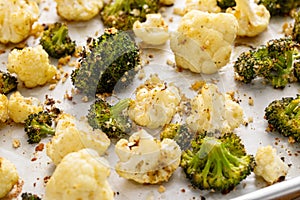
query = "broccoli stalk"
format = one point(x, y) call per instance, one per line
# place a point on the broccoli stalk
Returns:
point(56, 41)
point(111, 64)
point(121, 14)
point(8, 83)
point(274, 62)
point(284, 116)
point(112, 120)
point(279, 7)
point(38, 125)
point(29, 196)
point(217, 163)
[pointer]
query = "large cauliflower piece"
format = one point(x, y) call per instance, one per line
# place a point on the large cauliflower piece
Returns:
point(71, 137)
point(3, 108)
point(80, 175)
point(31, 64)
point(16, 19)
point(269, 165)
point(203, 41)
point(212, 110)
point(78, 10)
point(155, 103)
point(145, 159)
point(8, 176)
point(153, 31)
point(19, 107)
point(253, 19)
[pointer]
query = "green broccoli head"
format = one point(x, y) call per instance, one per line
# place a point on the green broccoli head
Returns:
point(274, 62)
point(38, 125)
point(296, 27)
point(224, 4)
point(279, 7)
point(121, 14)
point(56, 40)
point(180, 133)
point(111, 64)
point(112, 120)
point(284, 116)
point(8, 82)
point(30, 196)
point(217, 163)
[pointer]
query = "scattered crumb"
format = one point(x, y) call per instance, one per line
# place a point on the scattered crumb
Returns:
point(171, 19)
point(85, 99)
point(46, 179)
point(39, 147)
point(52, 86)
point(37, 30)
point(291, 140)
point(141, 74)
point(78, 51)
point(68, 96)
point(170, 63)
point(161, 189)
point(178, 11)
point(197, 85)
point(16, 143)
point(63, 61)
point(250, 101)
point(65, 77)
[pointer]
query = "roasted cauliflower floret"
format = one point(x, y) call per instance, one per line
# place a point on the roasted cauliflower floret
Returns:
point(212, 110)
point(78, 10)
point(71, 136)
point(3, 108)
point(155, 103)
point(153, 31)
point(31, 65)
point(145, 159)
point(269, 165)
point(253, 19)
point(203, 41)
point(19, 107)
point(8, 176)
point(16, 20)
point(80, 175)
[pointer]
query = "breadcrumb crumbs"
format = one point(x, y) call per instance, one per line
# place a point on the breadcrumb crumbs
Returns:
point(85, 99)
point(16, 143)
point(52, 86)
point(197, 85)
point(250, 101)
point(161, 189)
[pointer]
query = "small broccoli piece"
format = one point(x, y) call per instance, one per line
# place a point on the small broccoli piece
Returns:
point(217, 163)
point(180, 133)
point(296, 27)
point(224, 4)
point(279, 7)
point(284, 116)
point(38, 125)
point(29, 196)
point(112, 120)
point(111, 64)
point(121, 14)
point(56, 40)
point(8, 82)
point(274, 62)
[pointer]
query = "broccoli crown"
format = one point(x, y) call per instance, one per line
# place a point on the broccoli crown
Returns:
point(224, 4)
point(273, 62)
point(180, 133)
point(29, 196)
point(217, 163)
point(284, 116)
point(112, 120)
point(38, 125)
point(56, 40)
point(111, 64)
point(121, 14)
point(279, 7)
point(296, 27)
point(8, 82)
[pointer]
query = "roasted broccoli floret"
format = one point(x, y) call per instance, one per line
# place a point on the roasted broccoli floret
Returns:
point(224, 4)
point(279, 7)
point(296, 27)
point(38, 125)
point(179, 133)
point(56, 40)
point(8, 82)
point(284, 116)
point(111, 64)
point(112, 120)
point(274, 62)
point(121, 14)
point(30, 196)
point(217, 163)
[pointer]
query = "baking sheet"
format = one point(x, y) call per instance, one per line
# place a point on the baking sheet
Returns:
point(178, 187)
